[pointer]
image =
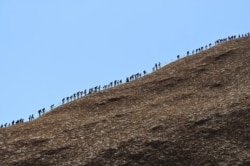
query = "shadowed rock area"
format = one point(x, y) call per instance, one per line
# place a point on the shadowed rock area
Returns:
point(194, 111)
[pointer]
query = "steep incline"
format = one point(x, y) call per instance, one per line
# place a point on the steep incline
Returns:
point(195, 111)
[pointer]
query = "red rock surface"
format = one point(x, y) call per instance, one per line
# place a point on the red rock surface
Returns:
point(194, 111)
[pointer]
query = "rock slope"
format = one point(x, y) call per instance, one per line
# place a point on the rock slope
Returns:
point(194, 111)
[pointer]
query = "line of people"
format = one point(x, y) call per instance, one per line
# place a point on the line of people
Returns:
point(112, 84)
point(156, 67)
point(135, 76)
point(115, 83)
point(218, 41)
point(74, 96)
point(12, 123)
point(42, 111)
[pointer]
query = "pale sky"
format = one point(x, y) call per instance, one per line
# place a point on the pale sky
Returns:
point(50, 49)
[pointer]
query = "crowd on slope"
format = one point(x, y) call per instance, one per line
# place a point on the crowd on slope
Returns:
point(115, 83)
point(12, 123)
point(218, 41)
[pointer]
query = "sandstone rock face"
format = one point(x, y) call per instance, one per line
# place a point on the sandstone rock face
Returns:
point(194, 111)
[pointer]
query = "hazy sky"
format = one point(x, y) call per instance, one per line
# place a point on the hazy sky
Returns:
point(50, 49)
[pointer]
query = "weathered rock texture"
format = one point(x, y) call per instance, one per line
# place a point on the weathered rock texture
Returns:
point(195, 111)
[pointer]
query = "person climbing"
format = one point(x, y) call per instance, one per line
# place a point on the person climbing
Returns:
point(63, 100)
point(39, 112)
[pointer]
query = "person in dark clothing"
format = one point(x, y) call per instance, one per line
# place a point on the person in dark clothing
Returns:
point(39, 112)
point(43, 110)
point(156, 66)
point(63, 100)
